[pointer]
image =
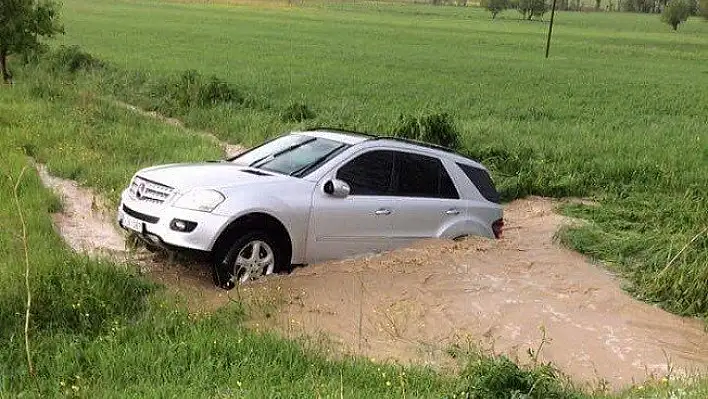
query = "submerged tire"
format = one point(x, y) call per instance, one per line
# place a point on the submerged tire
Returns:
point(251, 256)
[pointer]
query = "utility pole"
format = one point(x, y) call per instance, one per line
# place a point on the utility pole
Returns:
point(550, 28)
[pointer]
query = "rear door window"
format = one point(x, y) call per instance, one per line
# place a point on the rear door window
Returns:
point(422, 176)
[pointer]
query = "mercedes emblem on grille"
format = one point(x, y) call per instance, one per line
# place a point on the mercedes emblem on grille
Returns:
point(139, 192)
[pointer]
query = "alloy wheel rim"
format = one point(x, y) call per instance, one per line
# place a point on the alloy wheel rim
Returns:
point(254, 260)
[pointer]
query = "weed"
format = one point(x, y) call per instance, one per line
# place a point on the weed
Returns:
point(435, 128)
point(72, 59)
point(297, 112)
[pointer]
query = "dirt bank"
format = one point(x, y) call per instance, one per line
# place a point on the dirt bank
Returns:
point(409, 305)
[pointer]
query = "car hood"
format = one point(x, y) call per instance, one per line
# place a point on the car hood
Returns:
point(186, 176)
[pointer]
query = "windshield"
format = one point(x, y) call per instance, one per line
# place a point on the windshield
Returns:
point(294, 154)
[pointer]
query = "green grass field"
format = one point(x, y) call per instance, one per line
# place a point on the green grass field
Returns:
point(618, 113)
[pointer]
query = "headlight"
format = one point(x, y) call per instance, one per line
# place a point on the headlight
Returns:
point(200, 200)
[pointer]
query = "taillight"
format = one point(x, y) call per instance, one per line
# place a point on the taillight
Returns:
point(498, 228)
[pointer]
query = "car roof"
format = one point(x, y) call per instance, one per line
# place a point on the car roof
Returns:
point(343, 136)
point(354, 138)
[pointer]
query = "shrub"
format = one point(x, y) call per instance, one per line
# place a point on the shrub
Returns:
point(645, 6)
point(495, 6)
point(703, 8)
point(532, 8)
point(217, 91)
point(297, 112)
point(72, 59)
point(676, 12)
point(435, 128)
point(191, 90)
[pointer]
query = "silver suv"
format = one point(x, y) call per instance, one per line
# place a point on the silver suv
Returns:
point(310, 196)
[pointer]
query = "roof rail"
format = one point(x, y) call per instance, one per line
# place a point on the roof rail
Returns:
point(337, 130)
point(384, 137)
point(416, 142)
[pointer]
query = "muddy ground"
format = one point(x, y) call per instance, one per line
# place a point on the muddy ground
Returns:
point(506, 295)
point(411, 305)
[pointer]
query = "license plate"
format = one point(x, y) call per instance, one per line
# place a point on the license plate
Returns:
point(132, 223)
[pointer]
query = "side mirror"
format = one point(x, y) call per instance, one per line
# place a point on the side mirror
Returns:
point(337, 188)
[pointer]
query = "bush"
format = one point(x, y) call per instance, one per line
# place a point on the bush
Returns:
point(435, 129)
point(676, 12)
point(297, 112)
point(71, 59)
point(216, 91)
point(703, 8)
point(532, 8)
point(495, 6)
point(645, 6)
point(191, 90)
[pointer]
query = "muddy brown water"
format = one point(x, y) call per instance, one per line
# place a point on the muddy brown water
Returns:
point(410, 305)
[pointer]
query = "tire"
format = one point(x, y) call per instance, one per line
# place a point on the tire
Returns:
point(251, 256)
point(135, 241)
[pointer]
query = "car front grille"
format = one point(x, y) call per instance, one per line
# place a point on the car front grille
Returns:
point(146, 190)
point(141, 216)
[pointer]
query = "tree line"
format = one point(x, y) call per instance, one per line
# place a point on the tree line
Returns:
point(673, 12)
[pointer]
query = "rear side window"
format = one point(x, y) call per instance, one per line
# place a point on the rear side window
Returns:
point(422, 176)
point(480, 178)
point(369, 174)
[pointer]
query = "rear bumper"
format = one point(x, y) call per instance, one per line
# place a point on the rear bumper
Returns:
point(155, 224)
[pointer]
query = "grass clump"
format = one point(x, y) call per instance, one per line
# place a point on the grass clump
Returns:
point(498, 377)
point(297, 112)
point(436, 128)
point(72, 59)
point(179, 94)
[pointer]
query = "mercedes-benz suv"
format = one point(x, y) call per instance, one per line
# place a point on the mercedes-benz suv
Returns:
point(310, 196)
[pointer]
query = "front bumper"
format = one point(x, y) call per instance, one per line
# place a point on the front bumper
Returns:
point(155, 220)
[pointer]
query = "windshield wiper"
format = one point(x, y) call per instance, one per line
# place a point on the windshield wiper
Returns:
point(257, 163)
point(302, 171)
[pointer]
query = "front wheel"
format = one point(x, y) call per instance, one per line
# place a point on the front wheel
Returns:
point(250, 257)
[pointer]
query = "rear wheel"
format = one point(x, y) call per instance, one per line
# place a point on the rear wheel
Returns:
point(251, 256)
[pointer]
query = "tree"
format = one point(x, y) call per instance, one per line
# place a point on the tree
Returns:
point(22, 24)
point(703, 8)
point(532, 8)
point(676, 12)
point(645, 6)
point(495, 6)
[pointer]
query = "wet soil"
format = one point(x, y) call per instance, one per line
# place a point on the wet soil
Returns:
point(412, 304)
point(506, 295)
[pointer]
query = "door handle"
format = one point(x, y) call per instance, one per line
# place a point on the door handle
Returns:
point(452, 212)
point(382, 211)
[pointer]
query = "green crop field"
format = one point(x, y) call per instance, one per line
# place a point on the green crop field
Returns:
point(618, 113)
